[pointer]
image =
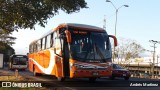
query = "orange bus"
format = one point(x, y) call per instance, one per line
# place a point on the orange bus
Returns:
point(72, 51)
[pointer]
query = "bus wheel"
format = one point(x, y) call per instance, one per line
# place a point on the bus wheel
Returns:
point(112, 77)
point(61, 79)
point(126, 78)
point(10, 66)
point(92, 79)
point(35, 73)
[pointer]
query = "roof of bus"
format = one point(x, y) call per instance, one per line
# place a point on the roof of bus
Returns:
point(74, 25)
point(14, 55)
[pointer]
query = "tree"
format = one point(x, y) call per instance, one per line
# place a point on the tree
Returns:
point(128, 49)
point(6, 38)
point(6, 50)
point(15, 14)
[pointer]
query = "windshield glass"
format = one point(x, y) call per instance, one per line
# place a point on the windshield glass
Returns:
point(19, 61)
point(94, 46)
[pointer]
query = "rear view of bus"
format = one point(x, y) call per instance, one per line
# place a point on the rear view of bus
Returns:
point(18, 62)
point(74, 51)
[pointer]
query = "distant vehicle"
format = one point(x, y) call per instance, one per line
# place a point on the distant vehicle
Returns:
point(18, 62)
point(119, 71)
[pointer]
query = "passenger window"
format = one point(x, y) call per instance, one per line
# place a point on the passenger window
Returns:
point(39, 45)
point(31, 48)
point(55, 40)
point(48, 41)
point(58, 43)
point(43, 43)
point(52, 40)
point(35, 47)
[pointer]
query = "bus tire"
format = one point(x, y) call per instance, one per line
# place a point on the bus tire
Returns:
point(10, 66)
point(34, 72)
point(112, 77)
point(126, 78)
point(92, 79)
point(61, 79)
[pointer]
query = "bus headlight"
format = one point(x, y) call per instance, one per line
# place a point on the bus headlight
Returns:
point(78, 66)
point(109, 63)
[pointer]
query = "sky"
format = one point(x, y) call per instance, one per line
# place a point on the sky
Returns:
point(140, 21)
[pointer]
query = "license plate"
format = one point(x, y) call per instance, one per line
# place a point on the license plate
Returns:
point(95, 73)
point(124, 74)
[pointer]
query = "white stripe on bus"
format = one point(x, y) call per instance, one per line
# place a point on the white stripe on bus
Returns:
point(51, 64)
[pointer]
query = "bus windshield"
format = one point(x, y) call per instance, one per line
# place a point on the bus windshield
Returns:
point(19, 61)
point(90, 46)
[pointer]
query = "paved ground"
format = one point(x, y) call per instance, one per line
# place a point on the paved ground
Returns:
point(76, 84)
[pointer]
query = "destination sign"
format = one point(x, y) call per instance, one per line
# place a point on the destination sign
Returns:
point(79, 32)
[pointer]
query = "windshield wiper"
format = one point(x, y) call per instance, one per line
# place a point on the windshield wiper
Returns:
point(99, 52)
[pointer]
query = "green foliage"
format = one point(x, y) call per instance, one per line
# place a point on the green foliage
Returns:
point(15, 14)
point(5, 38)
point(5, 47)
point(5, 42)
point(7, 50)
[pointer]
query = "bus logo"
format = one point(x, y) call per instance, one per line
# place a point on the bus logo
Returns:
point(6, 84)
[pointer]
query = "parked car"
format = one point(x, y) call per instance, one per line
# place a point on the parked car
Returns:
point(119, 71)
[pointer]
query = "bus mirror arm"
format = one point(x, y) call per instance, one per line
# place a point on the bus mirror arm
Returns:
point(55, 50)
point(68, 36)
point(114, 38)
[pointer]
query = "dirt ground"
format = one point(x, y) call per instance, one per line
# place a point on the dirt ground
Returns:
point(11, 76)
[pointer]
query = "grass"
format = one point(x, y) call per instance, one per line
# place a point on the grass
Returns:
point(12, 78)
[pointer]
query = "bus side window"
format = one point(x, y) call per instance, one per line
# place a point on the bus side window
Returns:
point(31, 48)
point(48, 40)
point(52, 40)
point(35, 47)
point(57, 43)
point(39, 45)
point(43, 43)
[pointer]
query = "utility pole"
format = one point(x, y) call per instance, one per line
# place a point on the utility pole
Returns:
point(157, 65)
point(117, 9)
point(154, 52)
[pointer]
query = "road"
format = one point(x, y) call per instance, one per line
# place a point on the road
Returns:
point(84, 84)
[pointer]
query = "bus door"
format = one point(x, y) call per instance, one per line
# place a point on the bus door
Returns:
point(64, 56)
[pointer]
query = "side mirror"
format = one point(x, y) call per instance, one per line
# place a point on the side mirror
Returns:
point(114, 38)
point(55, 50)
point(68, 36)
